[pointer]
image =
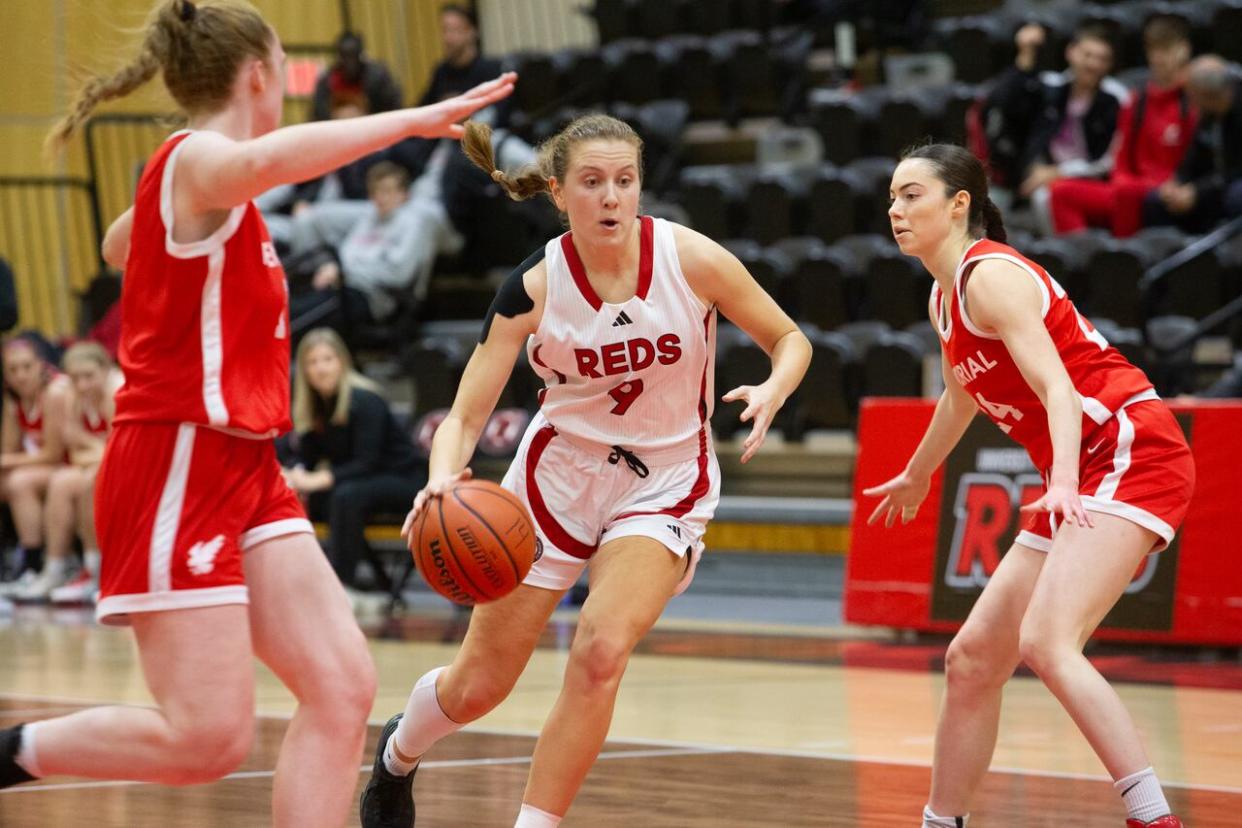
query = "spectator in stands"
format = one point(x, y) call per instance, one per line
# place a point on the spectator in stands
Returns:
point(1153, 134)
point(353, 75)
point(31, 449)
point(69, 508)
point(1055, 125)
point(1208, 184)
point(390, 250)
point(463, 63)
point(354, 460)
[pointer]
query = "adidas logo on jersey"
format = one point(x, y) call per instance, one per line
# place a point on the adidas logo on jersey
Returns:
point(202, 557)
point(676, 530)
point(622, 319)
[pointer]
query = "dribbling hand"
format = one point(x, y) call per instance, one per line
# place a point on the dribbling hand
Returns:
point(434, 489)
point(441, 120)
point(762, 403)
point(903, 494)
point(1063, 502)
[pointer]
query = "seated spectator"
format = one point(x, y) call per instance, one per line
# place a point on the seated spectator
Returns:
point(354, 460)
point(69, 508)
point(463, 66)
point(1073, 131)
point(1153, 133)
point(389, 250)
point(352, 75)
point(31, 449)
point(1208, 184)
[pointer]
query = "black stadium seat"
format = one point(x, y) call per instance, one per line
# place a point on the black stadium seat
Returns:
point(615, 19)
point(902, 122)
point(893, 366)
point(633, 72)
point(826, 398)
point(582, 76)
point(776, 203)
point(840, 118)
point(976, 44)
point(864, 333)
point(1226, 23)
point(538, 88)
point(870, 179)
point(770, 267)
point(822, 282)
point(434, 367)
point(743, 363)
point(749, 73)
point(660, 18)
point(689, 72)
point(712, 195)
point(830, 206)
point(895, 288)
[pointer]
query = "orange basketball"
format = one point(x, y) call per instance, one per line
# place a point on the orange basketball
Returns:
point(475, 544)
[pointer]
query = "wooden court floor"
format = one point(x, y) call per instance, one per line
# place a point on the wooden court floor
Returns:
point(713, 728)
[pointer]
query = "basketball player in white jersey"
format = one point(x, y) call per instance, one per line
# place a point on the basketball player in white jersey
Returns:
point(618, 317)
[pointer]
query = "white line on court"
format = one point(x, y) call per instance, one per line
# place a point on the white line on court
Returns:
point(707, 747)
point(605, 756)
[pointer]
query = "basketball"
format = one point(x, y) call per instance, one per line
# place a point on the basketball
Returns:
point(475, 544)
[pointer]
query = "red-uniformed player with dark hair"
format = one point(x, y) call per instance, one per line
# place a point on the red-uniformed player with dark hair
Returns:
point(206, 551)
point(1117, 473)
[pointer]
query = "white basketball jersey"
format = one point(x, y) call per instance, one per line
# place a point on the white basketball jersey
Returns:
point(638, 374)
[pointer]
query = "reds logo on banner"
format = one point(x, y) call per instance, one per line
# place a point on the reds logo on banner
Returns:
point(987, 480)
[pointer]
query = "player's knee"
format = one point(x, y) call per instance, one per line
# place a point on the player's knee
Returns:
point(342, 682)
point(600, 654)
point(209, 749)
point(468, 694)
point(971, 664)
point(1041, 651)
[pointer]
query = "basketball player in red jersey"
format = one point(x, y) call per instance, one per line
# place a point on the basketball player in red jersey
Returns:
point(206, 552)
point(617, 468)
point(1116, 468)
point(32, 447)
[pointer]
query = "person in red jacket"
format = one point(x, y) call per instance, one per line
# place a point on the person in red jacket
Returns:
point(1153, 133)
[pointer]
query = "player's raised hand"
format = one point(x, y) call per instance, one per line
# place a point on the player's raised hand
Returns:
point(762, 403)
point(441, 120)
point(903, 494)
point(1064, 502)
point(433, 489)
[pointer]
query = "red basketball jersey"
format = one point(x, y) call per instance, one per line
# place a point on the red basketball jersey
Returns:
point(30, 425)
point(205, 337)
point(981, 363)
point(94, 422)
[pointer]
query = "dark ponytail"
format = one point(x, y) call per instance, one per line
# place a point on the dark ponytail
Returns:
point(960, 170)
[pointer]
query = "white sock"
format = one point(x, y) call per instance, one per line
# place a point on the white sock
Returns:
point(930, 820)
point(26, 758)
point(423, 724)
point(54, 568)
point(90, 560)
point(532, 817)
point(1142, 795)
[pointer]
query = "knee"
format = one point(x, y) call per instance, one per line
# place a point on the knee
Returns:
point(600, 654)
point(20, 483)
point(209, 748)
point(973, 664)
point(1041, 651)
point(467, 693)
point(342, 686)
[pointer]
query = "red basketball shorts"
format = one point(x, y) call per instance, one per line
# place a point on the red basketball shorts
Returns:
point(580, 500)
point(176, 505)
point(1136, 466)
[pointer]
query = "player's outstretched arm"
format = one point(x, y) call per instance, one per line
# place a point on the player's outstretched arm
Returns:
point(222, 173)
point(720, 279)
point(905, 492)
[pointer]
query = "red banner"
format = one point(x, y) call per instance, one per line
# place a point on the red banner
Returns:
point(926, 575)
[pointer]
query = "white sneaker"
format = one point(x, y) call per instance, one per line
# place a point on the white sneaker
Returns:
point(18, 584)
point(366, 604)
point(38, 590)
point(81, 590)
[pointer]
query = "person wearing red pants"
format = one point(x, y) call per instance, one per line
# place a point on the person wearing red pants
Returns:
point(1154, 131)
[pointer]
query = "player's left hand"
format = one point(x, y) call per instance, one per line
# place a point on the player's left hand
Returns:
point(1064, 502)
point(762, 403)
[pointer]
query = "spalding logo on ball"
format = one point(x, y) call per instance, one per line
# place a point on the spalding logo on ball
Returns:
point(475, 543)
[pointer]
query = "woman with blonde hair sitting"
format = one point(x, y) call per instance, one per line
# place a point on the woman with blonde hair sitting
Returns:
point(354, 459)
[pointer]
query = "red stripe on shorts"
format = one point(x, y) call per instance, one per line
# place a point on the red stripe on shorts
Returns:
point(556, 533)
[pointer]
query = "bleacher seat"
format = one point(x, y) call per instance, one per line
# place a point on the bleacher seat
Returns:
point(615, 19)
point(863, 333)
point(893, 366)
point(830, 206)
point(776, 203)
point(660, 18)
point(1226, 23)
point(434, 366)
point(689, 71)
point(712, 195)
point(821, 284)
point(539, 88)
point(895, 288)
point(826, 399)
point(633, 72)
point(870, 178)
point(1114, 271)
point(749, 74)
point(661, 125)
point(840, 118)
point(770, 267)
point(903, 121)
point(743, 363)
point(582, 76)
point(977, 45)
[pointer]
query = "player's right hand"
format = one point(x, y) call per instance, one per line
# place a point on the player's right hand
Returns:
point(442, 120)
point(903, 494)
point(433, 489)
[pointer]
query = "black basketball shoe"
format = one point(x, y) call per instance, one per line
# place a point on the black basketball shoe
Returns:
point(11, 773)
point(387, 801)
